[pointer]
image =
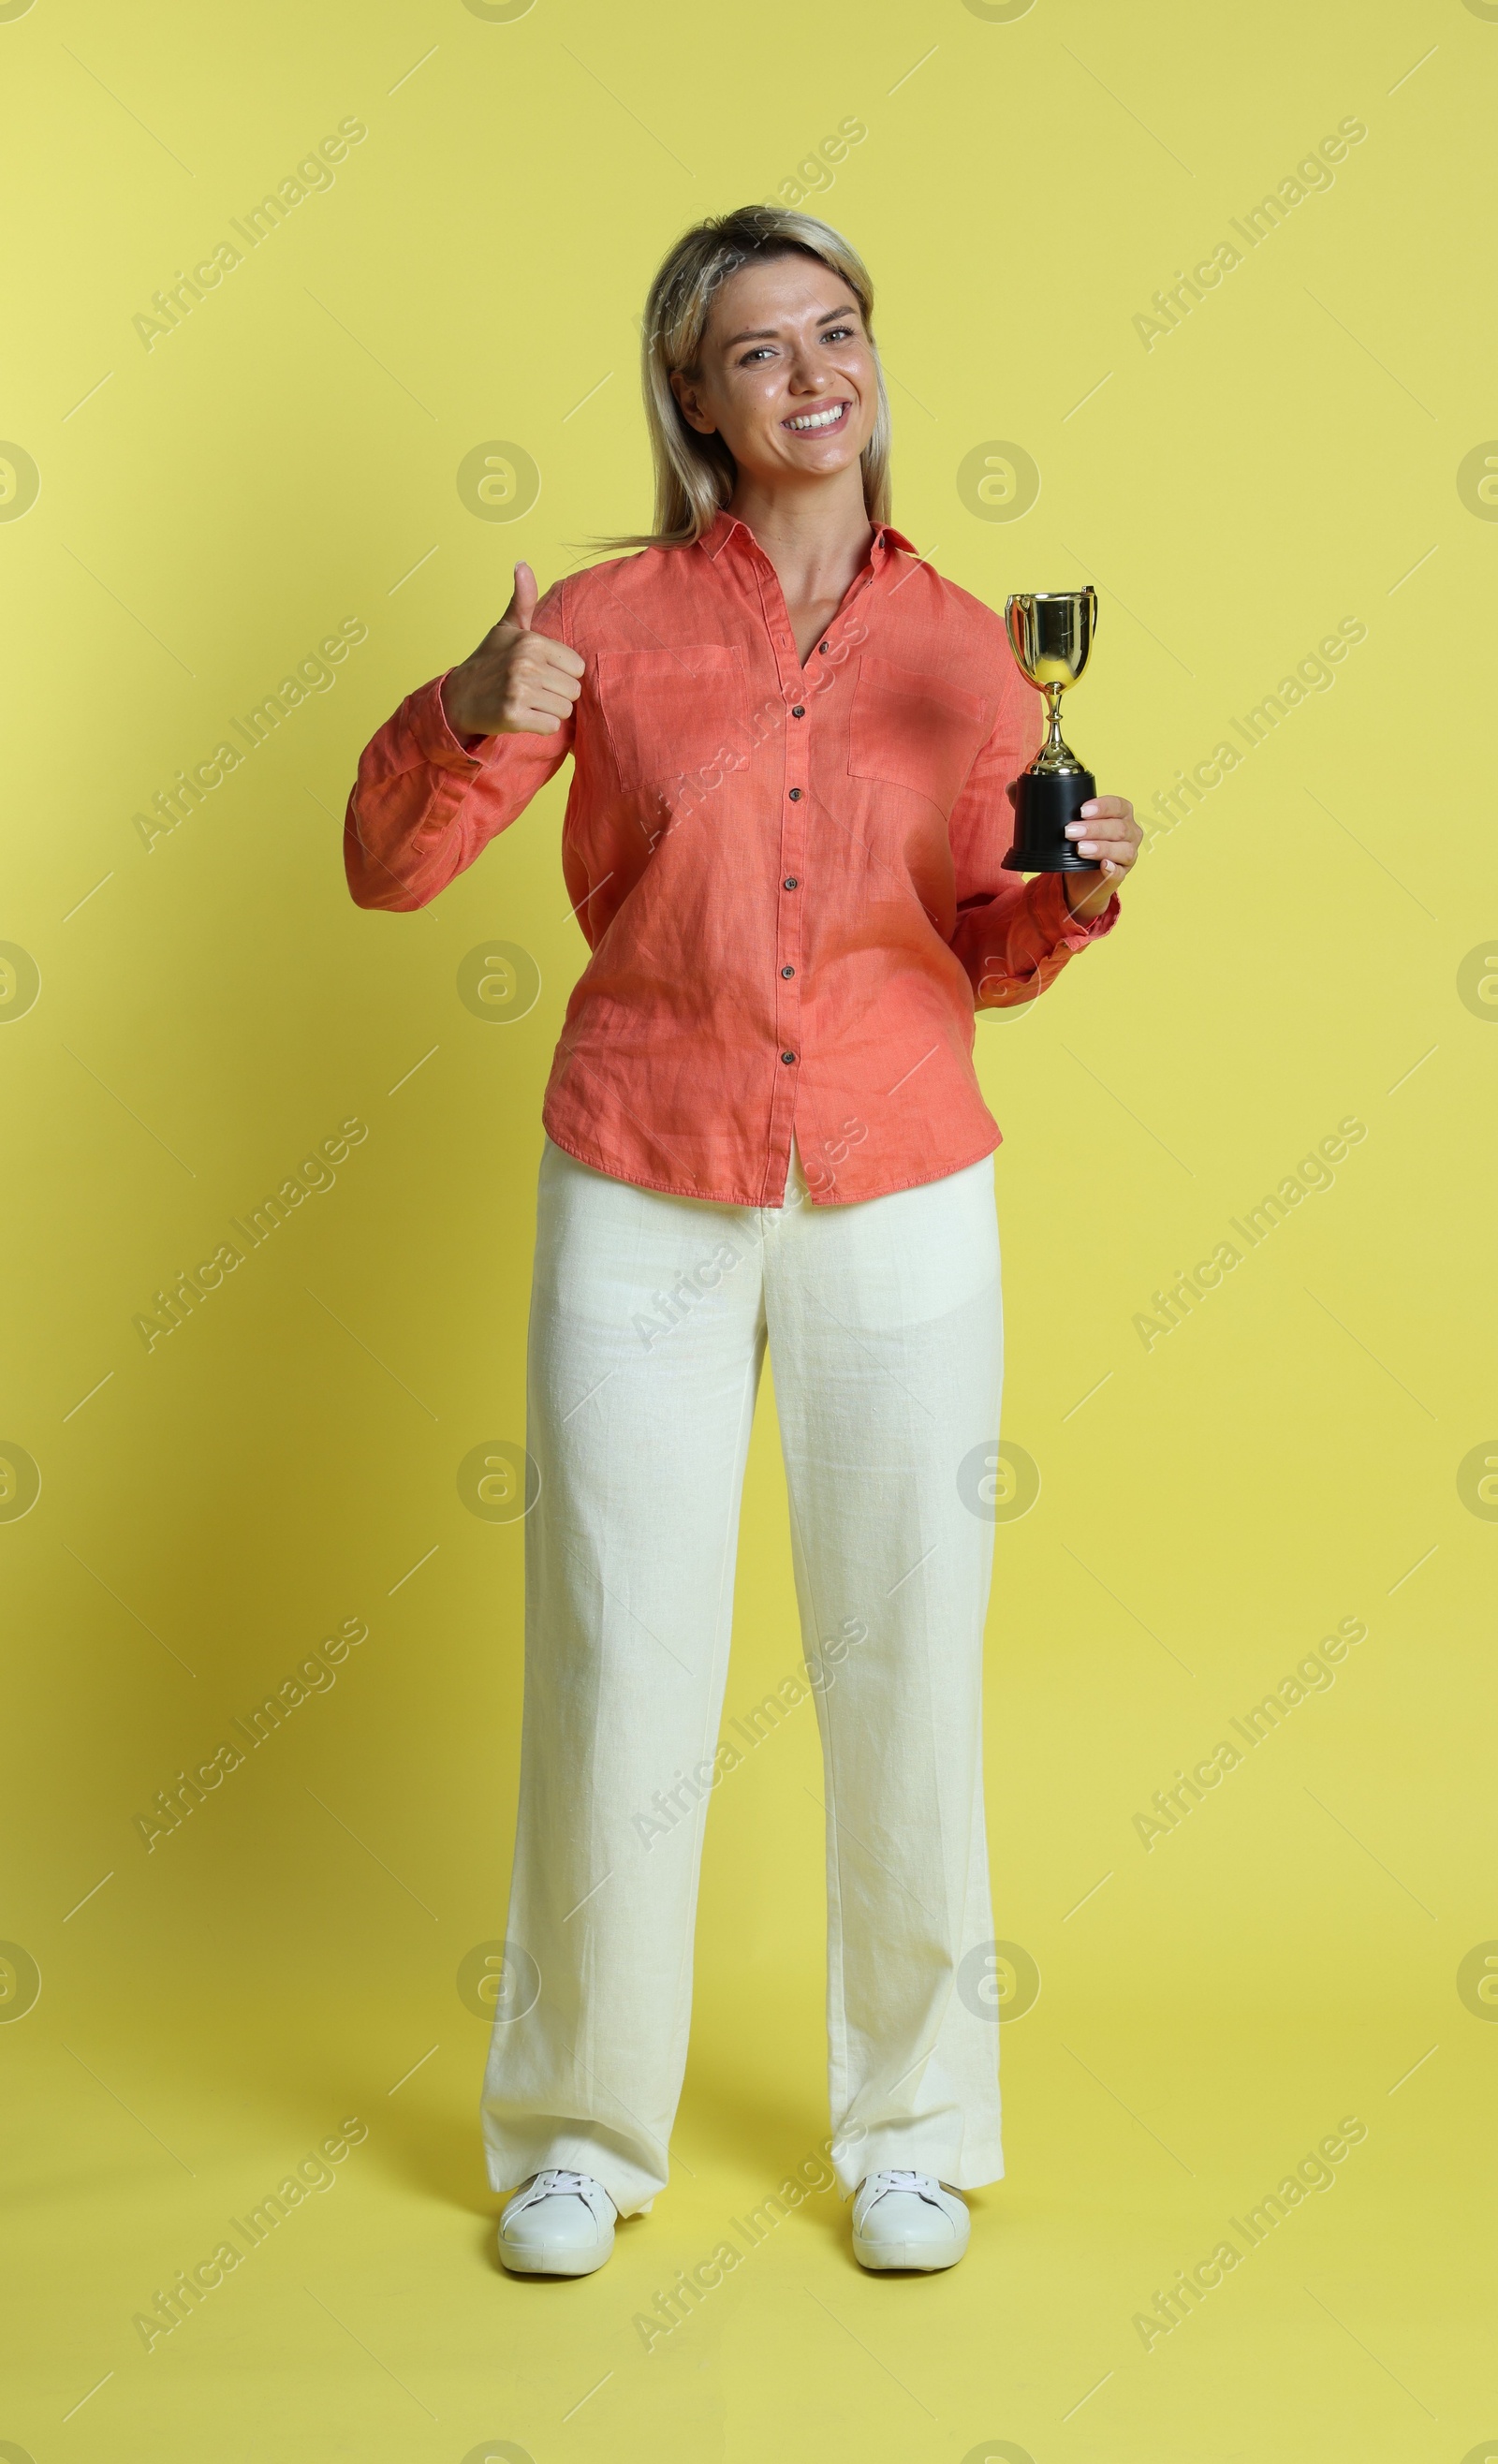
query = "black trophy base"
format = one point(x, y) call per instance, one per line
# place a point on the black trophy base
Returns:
point(1045, 801)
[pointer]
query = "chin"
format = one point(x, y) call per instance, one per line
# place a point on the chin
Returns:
point(835, 455)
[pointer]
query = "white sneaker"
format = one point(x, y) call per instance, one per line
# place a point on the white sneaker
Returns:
point(908, 2220)
point(558, 2224)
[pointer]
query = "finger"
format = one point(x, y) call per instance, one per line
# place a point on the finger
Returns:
point(1115, 835)
point(1111, 808)
point(1115, 824)
point(536, 654)
point(543, 710)
point(523, 599)
point(556, 655)
point(531, 676)
point(1115, 852)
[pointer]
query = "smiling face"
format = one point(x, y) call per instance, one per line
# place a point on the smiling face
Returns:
point(786, 374)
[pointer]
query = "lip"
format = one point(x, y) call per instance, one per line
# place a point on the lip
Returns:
point(835, 427)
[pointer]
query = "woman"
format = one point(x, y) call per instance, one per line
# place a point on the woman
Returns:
point(792, 744)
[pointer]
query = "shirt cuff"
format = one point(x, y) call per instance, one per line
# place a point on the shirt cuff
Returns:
point(1067, 930)
point(433, 737)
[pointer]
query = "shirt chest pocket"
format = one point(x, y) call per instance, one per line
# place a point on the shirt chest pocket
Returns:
point(671, 712)
point(915, 730)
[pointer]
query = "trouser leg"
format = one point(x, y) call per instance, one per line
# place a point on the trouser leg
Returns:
point(885, 1338)
point(647, 1338)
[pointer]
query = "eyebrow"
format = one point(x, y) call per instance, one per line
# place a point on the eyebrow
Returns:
point(767, 333)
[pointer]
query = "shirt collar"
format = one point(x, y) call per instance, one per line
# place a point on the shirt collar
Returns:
point(726, 526)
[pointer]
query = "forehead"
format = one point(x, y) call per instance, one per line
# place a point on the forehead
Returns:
point(786, 291)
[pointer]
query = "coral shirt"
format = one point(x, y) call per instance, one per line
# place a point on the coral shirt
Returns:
point(789, 877)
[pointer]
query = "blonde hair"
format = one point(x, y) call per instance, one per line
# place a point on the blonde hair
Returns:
point(695, 474)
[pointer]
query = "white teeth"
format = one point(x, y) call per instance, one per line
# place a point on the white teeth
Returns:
point(818, 418)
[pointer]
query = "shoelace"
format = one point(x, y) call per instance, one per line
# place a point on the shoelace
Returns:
point(557, 2178)
point(923, 2184)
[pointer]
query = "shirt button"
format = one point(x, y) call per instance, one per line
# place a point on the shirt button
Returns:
point(790, 882)
point(788, 971)
point(787, 1056)
point(822, 646)
point(799, 711)
point(795, 795)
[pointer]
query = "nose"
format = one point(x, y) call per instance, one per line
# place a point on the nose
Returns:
point(806, 376)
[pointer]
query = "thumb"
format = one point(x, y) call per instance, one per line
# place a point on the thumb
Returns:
point(523, 599)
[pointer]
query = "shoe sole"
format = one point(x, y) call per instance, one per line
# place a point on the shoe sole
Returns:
point(555, 2262)
point(925, 2256)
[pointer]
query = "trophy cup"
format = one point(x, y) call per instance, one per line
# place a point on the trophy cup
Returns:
point(1051, 633)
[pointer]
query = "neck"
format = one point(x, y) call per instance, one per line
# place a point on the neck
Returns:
point(817, 536)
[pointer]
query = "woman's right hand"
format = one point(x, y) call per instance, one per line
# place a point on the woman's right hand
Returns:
point(517, 683)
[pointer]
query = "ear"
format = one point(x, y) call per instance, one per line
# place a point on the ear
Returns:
point(690, 404)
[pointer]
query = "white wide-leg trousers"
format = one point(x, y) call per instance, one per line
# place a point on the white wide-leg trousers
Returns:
point(649, 1318)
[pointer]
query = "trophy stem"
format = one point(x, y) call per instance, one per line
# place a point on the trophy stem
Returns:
point(1055, 754)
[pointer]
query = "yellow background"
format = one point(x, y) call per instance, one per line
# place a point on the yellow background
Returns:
point(208, 1010)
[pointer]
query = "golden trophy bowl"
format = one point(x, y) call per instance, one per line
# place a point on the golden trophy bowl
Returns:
point(1051, 633)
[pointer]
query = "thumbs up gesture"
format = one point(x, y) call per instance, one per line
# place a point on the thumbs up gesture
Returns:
point(518, 682)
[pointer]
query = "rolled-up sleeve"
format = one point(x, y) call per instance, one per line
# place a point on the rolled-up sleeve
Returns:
point(424, 805)
point(1013, 934)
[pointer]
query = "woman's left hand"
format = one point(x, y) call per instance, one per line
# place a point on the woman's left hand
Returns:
point(1108, 830)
